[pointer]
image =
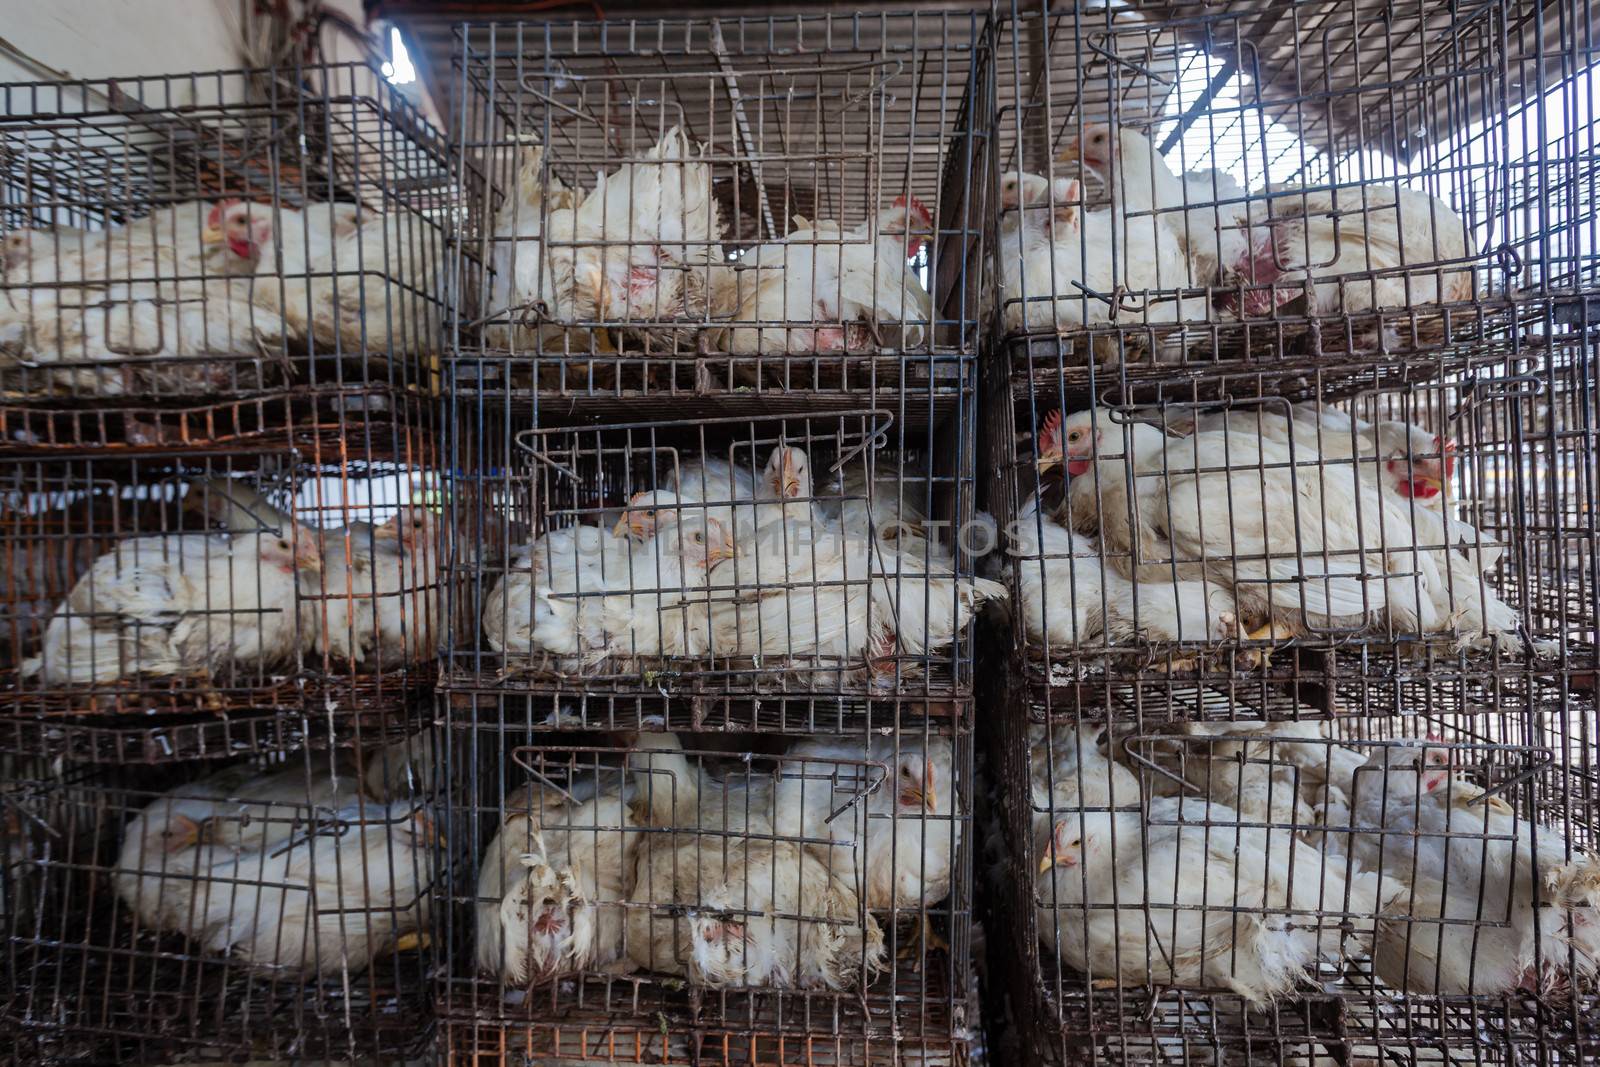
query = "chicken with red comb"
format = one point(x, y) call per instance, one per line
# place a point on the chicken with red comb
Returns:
point(144, 307)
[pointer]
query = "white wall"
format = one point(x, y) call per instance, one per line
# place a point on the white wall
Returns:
point(125, 38)
point(106, 38)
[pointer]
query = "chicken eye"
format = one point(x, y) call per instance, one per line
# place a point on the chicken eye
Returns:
point(699, 538)
point(283, 545)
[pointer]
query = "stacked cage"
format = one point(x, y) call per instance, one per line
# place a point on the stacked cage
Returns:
point(220, 563)
point(710, 706)
point(1288, 427)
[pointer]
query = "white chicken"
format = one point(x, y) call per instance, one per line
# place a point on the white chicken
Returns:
point(1409, 466)
point(296, 245)
point(895, 844)
point(180, 605)
point(165, 850)
point(825, 289)
point(825, 596)
point(1069, 596)
point(714, 487)
point(1185, 895)
point(1416, 462)
point(530, 278)
point(1068, 770)
point(727, 904)
point(798, 583)
point(261, 812)
point(1353, 250)
point(1488, 898)
point(655, 608)
point(600, 596)
point(159, 305)
point(648, 241)
point(1251, 776)
point(1278, 756)
point(1404, 459)
point(328, 901)
point(552, 883)
point(1074, 268)
point(1350, 250)
point(379, 599)
point(1206, 211)
point(534, 606)
point(1310, 547)
point(742, 912)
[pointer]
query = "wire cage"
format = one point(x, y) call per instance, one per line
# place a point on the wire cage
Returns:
point(278, 908)
point(625, 1041)
point(1421, 879)
point(1348, 527)
point(211, 603)
point(1259, 184)
point(753, 888)
point(691, 206)
point(195, 241)
point(809, 559)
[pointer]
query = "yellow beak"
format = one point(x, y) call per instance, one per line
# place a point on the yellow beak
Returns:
point(1431, 482)
point(622, 524)
point(791, 487)
point(1049, 461)
point(182, 832)
point(1047, 862)
point(1068, 153)
point(211, 235)
point(717, 555)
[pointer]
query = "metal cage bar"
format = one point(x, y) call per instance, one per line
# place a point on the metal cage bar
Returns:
point(214, 240)
point(169, 604)
point(1323, 266)
point(745, 887)
point(815, 238)
point(281, 907)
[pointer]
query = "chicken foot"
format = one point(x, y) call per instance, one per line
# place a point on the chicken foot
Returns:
point(923, 942)
point(1256, 658)
point(205, 688)
point(412, 941)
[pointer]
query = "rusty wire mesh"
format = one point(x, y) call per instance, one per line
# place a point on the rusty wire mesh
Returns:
point(173, 604)
point(767, 891)
point(831, 564)
point(1451, 511)
point(1346, 180)
point(280, 907)
point(203, 242)
point(1299, 673)
point(1323, 835)
point(817, 155)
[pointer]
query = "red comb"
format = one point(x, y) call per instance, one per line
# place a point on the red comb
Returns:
point(915, 207)
point(1436, 737)
point(1050, 432)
